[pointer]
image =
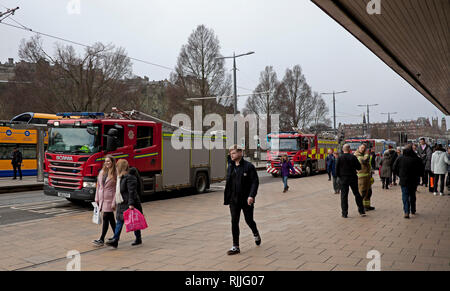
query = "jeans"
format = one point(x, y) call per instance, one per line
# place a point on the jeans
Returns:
point(119, 225)
point(352, 183)
point(436, 181)
point(409, 199)
point(285, 178)
point(235, 210)
point(336, 184)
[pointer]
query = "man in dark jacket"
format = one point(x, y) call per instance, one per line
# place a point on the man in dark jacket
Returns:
point(409, 168)
point(346, 167)
point(17, 163)
point(425, 153)
point(240, 191)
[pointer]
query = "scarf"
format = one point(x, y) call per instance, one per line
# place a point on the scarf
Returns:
point(118, 196)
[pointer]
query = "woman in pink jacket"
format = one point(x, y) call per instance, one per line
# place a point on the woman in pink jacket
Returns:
point(105, 196)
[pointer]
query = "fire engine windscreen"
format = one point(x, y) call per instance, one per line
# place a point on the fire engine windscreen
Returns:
point(74, 140)
point(284, 144)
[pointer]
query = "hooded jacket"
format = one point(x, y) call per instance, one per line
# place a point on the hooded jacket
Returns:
point(439, 162)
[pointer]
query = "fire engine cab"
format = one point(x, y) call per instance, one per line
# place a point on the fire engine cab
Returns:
point(306, 152)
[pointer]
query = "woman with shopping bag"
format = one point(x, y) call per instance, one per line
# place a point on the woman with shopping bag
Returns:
point(126, 198)
point(104, 197)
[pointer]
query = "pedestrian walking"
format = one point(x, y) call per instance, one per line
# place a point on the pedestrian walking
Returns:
point(448, 170)
point(104, 196)
point(425, 153)
point(409, 167)
point(364, 175)
point(394, 156)
point(336, 183)
point(16, 162)
point(240, 191)
point(346, 167)
point(128, 192)
point(286, 167)
point(386, 170)
point(439, 166)
point(328, 163)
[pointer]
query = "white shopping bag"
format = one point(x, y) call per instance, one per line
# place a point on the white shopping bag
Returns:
point(96, 217)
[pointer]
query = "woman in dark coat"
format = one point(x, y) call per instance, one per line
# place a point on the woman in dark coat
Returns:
point(386, 169)
point(129, 189)
point(286, 167)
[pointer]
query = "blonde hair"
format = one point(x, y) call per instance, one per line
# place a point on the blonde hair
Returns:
point(122, 167)
point(112, 171)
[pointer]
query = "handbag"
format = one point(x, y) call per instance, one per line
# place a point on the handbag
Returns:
point(134, 220)
point(96, 217)
point(118, 197)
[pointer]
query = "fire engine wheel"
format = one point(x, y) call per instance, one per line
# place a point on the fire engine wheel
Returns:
point(274, 175)
point(308, 170)
point(200, 183)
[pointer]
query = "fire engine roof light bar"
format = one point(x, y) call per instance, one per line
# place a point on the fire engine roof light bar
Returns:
point(81, 114)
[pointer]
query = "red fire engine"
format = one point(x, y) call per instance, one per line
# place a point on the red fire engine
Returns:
point(77, 149)
point(306, 152)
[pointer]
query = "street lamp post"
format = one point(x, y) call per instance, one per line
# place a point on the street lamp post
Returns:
point(334, 107)
point(235, 88)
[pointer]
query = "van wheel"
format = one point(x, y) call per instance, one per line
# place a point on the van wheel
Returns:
point(200, 183)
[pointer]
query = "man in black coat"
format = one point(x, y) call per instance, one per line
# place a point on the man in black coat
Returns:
point(409, 167)
point(425, 153)
point(346, 167)
point(240, 191)
point(17, 163)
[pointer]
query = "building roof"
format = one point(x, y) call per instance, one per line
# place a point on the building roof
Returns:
point(410, 36)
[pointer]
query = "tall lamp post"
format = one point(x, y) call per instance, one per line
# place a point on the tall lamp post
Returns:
point(334, 107)
point(235, 88)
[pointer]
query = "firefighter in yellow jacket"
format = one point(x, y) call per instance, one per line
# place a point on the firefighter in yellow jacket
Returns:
point(364, 175)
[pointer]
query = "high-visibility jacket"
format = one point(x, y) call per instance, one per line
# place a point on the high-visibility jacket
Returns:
point(366, 168)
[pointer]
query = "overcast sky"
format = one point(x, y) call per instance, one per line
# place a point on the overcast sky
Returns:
point(283, 33)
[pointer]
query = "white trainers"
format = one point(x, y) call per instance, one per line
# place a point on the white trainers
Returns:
point(442, 194)
point(435, 194)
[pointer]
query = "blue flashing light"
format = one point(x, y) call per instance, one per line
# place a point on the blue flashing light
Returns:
point(81, 114)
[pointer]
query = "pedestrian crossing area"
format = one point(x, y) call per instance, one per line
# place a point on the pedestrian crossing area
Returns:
point(52, 209)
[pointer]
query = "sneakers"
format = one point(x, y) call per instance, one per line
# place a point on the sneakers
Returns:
point(257, 240)
point(98, 242)
point(369, 208)
point(442, 194)
point(435, 194)
point(406, 216)
point(233, 251)
point(362, 214)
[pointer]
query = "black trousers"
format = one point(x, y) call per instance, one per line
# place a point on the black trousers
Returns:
point(347, 183)
point(235, 210)
point(108, 219)
point(425, 176)
point(436, 181)
point(17, 167)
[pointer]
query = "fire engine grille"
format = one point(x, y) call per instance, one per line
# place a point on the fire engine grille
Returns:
point(277, 158)
point(65, 175)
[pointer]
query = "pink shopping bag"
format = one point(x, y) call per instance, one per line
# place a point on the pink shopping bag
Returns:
point(134, 220)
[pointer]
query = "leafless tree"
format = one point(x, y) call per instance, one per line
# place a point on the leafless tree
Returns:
point(66, 81)
point(320, 111)
point(267, 98)
point(199, 73)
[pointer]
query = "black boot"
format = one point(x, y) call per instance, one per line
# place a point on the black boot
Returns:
point(112, 243)
point(137, 242)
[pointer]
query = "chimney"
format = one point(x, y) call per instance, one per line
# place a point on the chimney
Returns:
point(11, 61)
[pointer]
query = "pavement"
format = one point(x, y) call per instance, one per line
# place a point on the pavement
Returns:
point(28, 183)
point(301, 230)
